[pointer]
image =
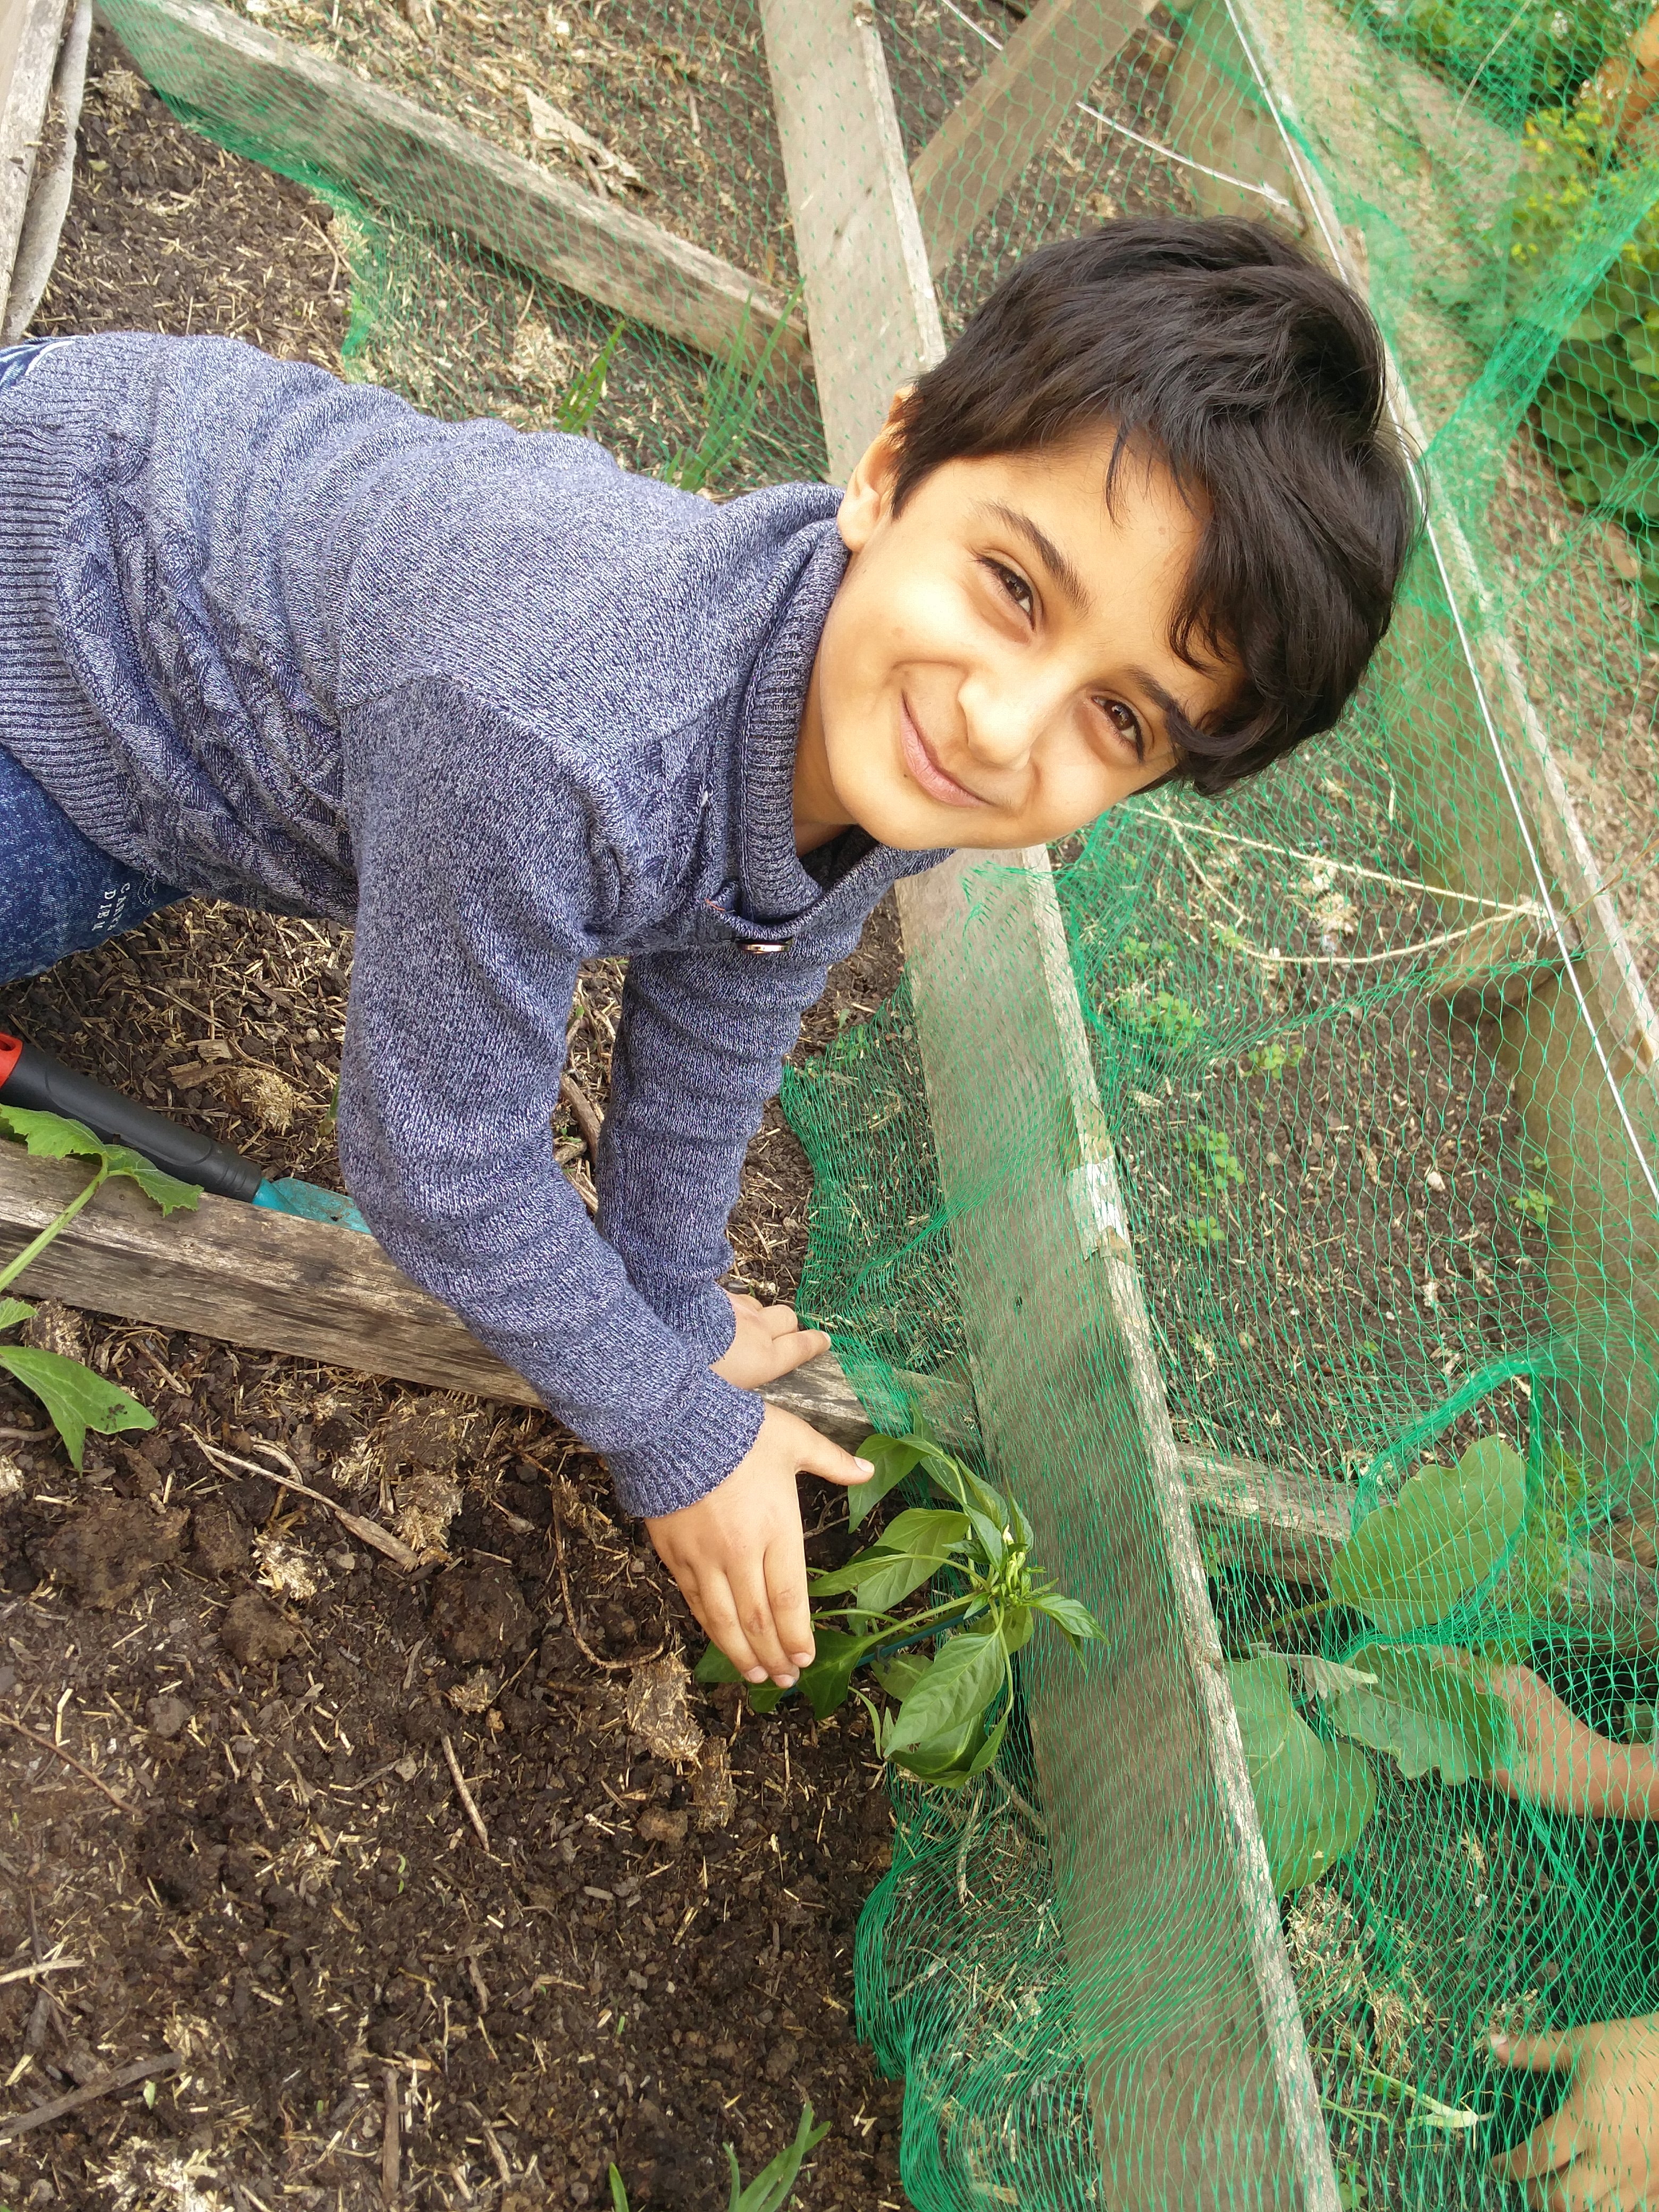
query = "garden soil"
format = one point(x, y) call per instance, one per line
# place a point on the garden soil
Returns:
point(243, 1753)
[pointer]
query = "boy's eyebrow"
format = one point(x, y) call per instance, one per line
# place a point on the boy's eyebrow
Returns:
point(1051, 556)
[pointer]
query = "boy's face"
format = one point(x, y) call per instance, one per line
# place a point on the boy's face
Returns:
point(996, 664)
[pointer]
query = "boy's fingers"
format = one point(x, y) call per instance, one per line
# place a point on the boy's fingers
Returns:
point(796, 1346)
point(1538, 2053)
point(716, 1609)
point(786, 1584)
point(1546, 2147)
point(753, 1607)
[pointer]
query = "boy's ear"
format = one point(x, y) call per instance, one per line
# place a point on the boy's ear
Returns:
point(868, 496)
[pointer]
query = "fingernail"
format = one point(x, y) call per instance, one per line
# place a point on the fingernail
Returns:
point(784, 1682)
point(756, 1675)
point(868, 1464)
point(801, 1658)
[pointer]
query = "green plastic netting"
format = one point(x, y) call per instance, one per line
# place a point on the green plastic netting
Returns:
point(1377, 1128)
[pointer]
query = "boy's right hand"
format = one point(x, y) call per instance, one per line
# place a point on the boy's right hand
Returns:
point(739, 1554)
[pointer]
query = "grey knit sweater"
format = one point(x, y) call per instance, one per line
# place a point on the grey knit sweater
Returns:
point(505, 707)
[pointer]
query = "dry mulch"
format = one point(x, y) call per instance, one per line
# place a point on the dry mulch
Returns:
point(654, 1953)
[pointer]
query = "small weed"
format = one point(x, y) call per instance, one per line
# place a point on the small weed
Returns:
point(1278, 1055)
point(1159, 1018)
point(1204, 1230)
point(1533, 1205)
point(580, 402)
point(770, 2188)
point(1212, 1161)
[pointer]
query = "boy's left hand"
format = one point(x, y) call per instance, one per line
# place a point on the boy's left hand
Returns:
point(769, 1342)
point(1600, 2153)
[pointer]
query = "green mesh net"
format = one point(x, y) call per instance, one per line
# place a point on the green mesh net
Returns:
point(1269, 1185)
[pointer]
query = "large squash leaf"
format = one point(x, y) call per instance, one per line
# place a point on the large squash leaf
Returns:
point(1409, 1564)
point(1312, 1798)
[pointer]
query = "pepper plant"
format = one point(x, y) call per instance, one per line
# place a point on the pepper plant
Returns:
point(74, 1397)
point(949, 1706)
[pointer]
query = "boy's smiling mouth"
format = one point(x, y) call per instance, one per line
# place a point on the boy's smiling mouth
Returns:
point(924, 770)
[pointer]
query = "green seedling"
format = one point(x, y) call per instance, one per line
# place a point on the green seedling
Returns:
point(1276, 1055)
point(75, 1397)
point(732, 397)
point(1212, 1161)
point(1158, 1019)
point(949, 1706)
point(769, 2190)
point(1533, 1205)
point(580, 401)
point(1204, 1230)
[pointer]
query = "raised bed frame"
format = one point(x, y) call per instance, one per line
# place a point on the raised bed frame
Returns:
point(1064, 1391)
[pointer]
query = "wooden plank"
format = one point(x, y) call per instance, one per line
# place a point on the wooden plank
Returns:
point(1195, 2048)
point(246, 81)
point(53, 182)
point(1218, 2092)
point(1011, 113)
point(870, 302)
point(243, 1275)
point(30, 30)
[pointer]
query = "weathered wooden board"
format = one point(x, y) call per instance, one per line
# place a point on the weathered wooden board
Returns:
point(30, 30)
point(1011, 112)
point(54, 176)
point(243, 1275)
point(244, 79)
point(1194, 2041)
point(870, 303)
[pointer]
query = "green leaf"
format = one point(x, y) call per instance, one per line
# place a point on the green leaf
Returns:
point(967, 1673)
point(825, 1683)
point(910, 1552)
point(55, 1137)
point(899, 1674)
point(1073, 1620)
point(769, 2190)
point(618, 2194)
point(1426, 1713)
point(893, 1458)
point(1015, 1633)
point(945, 1763)
point(12, 1310)
point(1409, 1564)
point(76, 1398)
point(1312, 1798)
point(715, 1667)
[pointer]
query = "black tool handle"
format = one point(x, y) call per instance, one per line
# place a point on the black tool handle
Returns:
point(36, 1080)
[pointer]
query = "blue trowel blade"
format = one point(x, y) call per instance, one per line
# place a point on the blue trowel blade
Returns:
point(309, 1201)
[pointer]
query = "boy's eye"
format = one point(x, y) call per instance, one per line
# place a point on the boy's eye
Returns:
point(1015, 585)
point(1127, 723)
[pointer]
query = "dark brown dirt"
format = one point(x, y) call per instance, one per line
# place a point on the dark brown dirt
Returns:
point(654, 1955)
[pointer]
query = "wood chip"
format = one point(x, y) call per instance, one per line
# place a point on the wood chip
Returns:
point(146, 2069)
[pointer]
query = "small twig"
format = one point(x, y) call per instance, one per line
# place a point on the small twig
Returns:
point(464, 1793)
point(46, 1966)
point(499, 2156)
point(69, 1758)
point(366, 1532)
point(24, 1436)
point(1020, 1804)
point(963, 1848)
point(479, 1985)
point(391, 2157)
point(583, 1112)
point(146, 2069)
point(610, 1666)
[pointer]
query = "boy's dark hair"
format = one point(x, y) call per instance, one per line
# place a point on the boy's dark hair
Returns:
point(1259, 380)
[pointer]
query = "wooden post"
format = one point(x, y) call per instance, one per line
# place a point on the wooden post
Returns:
point(235, 75)
point(1012, 111)
point(870, 302)
point(1180, 1986)
point(30, 30)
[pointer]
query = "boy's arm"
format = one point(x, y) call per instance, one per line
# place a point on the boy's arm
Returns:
point(698, 1055)
point(1560, 1761)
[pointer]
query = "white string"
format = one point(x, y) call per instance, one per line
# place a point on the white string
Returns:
point(1263, 191)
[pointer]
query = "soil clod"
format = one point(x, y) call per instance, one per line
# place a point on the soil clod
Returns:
point(255, 1633)
point(103, 1554)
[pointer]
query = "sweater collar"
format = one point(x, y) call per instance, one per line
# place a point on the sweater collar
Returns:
point(775, 886)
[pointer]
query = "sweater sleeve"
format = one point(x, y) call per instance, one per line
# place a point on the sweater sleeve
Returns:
point(467, 944)
point(698, 1053)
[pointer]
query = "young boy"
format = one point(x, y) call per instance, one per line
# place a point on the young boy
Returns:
point(272, 638)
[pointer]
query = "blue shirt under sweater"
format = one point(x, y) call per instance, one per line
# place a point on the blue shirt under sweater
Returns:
point(284, 640)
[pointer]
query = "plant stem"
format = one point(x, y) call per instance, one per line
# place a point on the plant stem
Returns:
point(1302, 1612)
point(9, 1272)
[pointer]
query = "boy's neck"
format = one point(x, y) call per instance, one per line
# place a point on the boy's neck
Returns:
point(819, 814)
